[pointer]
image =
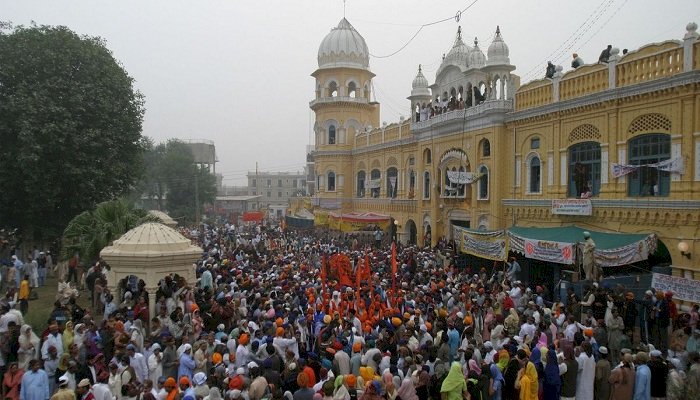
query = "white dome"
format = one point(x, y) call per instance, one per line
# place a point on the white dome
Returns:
point(343, 47)
point(498, 50)
point(458, 55)
point(477, 59)
point(420, 84)
point(419, 81)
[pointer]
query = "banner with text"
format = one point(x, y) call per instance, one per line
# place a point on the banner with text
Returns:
point(572, 207)
point(556, 252)
point(682, 288)
point(489, 245)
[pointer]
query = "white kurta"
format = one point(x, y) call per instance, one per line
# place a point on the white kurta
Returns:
point(585, 378)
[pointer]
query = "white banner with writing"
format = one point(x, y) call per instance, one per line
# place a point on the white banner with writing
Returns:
point(462, 178)
point(572, 207)
point(556, 252)
point(673, 165)
point(682, 288)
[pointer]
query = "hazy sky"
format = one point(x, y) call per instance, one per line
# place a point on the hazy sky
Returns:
point(237, 72)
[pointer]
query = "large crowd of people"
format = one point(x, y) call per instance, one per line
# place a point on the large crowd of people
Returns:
point(271, 316)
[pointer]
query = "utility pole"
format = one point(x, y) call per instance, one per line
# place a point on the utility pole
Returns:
point(196, 195)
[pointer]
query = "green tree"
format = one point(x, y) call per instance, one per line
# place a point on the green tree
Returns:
point(70, 128)
point(171, 174)
point(91, 231)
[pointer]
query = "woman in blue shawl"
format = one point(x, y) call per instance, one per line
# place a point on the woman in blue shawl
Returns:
point(536, 358)
point(497, 382)
point(552, 380)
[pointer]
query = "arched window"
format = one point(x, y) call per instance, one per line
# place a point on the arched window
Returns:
point(483, 183)
point(331, 134)
point(361, 184)
point(331, 182)
point(645, 180)
point(392, 182)
point(485, 148)
point(426, 185)
point(333, 89)
point(411, 184)
point(427, 156)
point(375, 182)
point(352, 90)
point(534, 174)
point(584, 169)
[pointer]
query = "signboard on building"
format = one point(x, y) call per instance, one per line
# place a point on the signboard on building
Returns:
point(572, 207)
point(682, 288)
point(556, 252)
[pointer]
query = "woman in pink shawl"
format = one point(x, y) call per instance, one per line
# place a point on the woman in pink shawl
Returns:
point(407, 391)
point(543, 341)
point(489, 320)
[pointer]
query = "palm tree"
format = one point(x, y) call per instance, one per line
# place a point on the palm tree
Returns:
point(91, 231)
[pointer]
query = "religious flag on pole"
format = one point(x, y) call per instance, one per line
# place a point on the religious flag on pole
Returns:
point(394, 269)
point(323, 274)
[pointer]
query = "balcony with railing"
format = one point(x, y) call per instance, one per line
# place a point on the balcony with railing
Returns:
point(339, 99)
point(384, 205)
point(466, 113)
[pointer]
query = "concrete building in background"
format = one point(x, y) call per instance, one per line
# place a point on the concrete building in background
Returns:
point(276, 189)
point(204, 153)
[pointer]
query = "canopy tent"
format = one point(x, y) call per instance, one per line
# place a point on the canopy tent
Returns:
point(558, 244)
point(297, 222)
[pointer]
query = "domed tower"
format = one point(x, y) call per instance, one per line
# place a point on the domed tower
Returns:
point(477, 59)
point(420, 95)
point(449, 78)
point(343, 107)
point(499, 69)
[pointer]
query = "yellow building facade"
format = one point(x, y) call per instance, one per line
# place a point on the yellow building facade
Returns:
point(484, 152)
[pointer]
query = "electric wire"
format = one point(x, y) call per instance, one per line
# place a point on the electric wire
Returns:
point(457, 17)
point(565, 46)
point(605, 23)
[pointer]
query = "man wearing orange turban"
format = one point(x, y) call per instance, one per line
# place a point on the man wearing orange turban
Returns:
point(170, 387)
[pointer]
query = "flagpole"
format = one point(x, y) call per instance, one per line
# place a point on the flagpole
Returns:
point(393, 271)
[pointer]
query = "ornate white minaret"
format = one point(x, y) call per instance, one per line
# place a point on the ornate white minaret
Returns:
point(499, 68)
point(420, 95)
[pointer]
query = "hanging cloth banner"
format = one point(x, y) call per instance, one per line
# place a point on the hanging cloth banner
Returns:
point(489, 245)
point(373, 184)
point(619, 170)
point(462, 178)
point(556, 252)
point(674, 165)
